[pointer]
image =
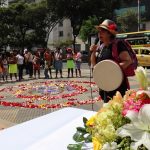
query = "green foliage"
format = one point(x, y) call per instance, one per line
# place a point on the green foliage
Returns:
point(80, 137)
point(128, 21)
point(24, 24)
point(124, 144)
point(74, 146)
point(88, 28)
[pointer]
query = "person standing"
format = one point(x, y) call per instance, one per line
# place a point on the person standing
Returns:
point(20, 64)
point(48, 59)
point(58, 62)
point(25, 61)
point(36, 65)
point(70, 61)
point(29, 64)
point(107, 34)
point(77, 58)
point(12, 61)
point(5, 68)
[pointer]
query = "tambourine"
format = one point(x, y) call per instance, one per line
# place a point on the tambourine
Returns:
point(107, 75)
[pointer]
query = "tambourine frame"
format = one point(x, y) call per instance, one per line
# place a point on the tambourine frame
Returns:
point(108, 75)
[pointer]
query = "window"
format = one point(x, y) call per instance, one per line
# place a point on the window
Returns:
point(145, 52)
point(61, 33)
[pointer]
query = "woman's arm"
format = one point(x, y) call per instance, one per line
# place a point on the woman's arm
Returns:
point(125, 59)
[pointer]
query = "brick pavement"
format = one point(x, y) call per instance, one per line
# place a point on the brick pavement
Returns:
point(10, 116)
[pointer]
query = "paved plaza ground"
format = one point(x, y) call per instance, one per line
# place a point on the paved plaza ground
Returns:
point(10, 115)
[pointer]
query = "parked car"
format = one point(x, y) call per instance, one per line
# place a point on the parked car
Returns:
point(143, 56)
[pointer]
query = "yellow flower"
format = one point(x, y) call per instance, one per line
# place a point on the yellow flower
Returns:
point(117, 100)
point(42, 106)
point(103, 109)
point(96, 144)
point(90, 122)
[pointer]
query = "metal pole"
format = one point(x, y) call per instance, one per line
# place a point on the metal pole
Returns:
point(138, 15)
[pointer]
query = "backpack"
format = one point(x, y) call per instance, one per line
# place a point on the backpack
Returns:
point(129, 71)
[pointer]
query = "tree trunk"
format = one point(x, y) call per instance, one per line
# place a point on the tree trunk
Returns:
point(74, 42)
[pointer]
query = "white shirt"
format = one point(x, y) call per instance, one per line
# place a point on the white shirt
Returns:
point(20, 59)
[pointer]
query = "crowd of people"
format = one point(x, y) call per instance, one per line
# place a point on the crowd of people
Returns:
point(15, 63)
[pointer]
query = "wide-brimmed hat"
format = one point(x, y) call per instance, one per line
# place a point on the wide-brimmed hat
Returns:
point(108, 25)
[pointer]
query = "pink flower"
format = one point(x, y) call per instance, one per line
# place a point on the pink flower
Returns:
point(135, 102)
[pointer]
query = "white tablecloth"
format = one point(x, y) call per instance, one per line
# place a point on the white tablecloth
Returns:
point(53, 131)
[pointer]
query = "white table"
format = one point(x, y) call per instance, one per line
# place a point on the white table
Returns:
point(53, 131)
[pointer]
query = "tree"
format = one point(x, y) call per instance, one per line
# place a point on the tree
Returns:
point(25, 24)
point(88, 28)
point(4, 28)
point(128, 21)
point(79, 10)
point(37, 15)
point(18, 24)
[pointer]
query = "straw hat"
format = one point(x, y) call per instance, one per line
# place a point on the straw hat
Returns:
point(108, 25)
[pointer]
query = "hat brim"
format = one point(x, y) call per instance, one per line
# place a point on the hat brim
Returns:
point(101, 26)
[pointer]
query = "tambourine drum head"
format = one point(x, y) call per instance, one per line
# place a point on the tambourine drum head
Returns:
point(107, 75)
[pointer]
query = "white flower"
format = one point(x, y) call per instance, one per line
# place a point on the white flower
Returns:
point(139, 128)
point(110, 146)
point(142, 78)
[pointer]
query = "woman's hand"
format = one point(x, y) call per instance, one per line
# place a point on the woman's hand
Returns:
point(93, 48)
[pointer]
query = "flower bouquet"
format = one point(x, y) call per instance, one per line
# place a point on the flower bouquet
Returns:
point(121, 124)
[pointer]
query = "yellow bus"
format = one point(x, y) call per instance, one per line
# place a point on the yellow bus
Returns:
point(140, 43)
point(141, 38)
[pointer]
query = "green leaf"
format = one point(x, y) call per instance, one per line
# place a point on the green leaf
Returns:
point(74, 146)
point(81, 129)
point(78, 137)
point(85, 120)
point(88, 138)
